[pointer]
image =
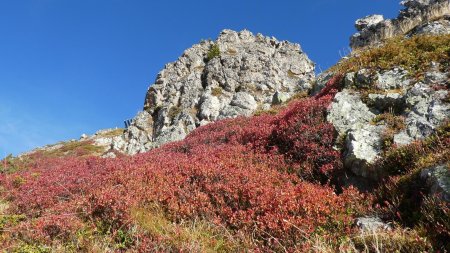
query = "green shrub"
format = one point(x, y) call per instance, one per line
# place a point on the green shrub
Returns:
point(214, 51)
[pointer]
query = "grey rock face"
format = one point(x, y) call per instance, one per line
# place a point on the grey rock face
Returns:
point(195, 90)
point(351, 117)
point(436, 27)
point(438, 179)
point(419, 16)
point(363, 146)
point(280, 97)
point(363, 78)
point(421, 105)
point(371, 224)
point(368, 21)
point(427, 110)
point(392, 79)
point(347, 112)
point(321, 81)
point(384, 102)
point(349, 79)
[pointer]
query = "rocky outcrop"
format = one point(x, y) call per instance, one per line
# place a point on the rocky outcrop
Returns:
point(235, 75)
point(420, 105)
point(418, 17)
point(438, 180)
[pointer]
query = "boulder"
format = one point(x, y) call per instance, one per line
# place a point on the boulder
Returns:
point(362, 147)
point(371, 224)
point(384, 102)
point(280, 97)
point(347, 111)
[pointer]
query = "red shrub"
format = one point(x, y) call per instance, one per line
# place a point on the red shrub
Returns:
point(233, 172)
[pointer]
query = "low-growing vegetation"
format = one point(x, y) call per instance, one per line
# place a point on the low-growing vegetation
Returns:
point(217, 91)
point(214, 51)
point(404, 194)
point(112, 133)
point(261, 183)
point(174, 111)
point(72, 148)
point(414, 54)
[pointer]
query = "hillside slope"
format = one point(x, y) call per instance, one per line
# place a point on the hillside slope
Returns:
point(361, 164)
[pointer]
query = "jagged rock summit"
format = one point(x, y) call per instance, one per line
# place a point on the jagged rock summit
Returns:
point(418, 17)
point(235, 75)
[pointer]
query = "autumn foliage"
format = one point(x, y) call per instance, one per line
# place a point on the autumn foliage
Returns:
point(264, 177)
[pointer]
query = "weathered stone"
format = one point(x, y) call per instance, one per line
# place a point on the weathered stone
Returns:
point(438, 179)
point(349, 79)
point(321, 82)
point(210, 107)
point(363, 146)
point(392, 79)
point(427, 110)
point(368, 21)
point(195, 90)
point(347, 111)
point(436, 27)
point(415, 17)
point(244, 100)
point(109, 155)
point(363, 78)
point(402, 139)
point(436, 77)
point(384, 102)
point(371, 224)
point(280, 97)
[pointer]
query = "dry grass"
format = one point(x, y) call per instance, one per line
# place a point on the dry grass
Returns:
point(74, 148)
point(398, 240)
point(190, 236)
point(414, 54)
point(217, 91)
point(174, 111)
point(112, 133)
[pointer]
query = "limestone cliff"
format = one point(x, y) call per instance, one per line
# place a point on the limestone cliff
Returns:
point(418, 17)
point(235, 75)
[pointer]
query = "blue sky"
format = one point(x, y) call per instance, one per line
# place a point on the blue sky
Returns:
point(69, 67)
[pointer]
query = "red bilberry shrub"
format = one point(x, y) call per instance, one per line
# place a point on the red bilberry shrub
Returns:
point(236, 173)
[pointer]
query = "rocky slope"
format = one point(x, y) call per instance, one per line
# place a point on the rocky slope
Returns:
point(247, 73)
point(378, 120)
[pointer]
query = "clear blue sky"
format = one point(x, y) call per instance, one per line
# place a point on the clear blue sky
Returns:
point(69, 67)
